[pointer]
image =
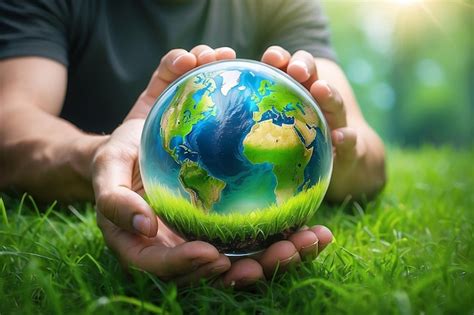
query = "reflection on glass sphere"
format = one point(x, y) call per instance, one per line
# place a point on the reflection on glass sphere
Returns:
point(235, 153)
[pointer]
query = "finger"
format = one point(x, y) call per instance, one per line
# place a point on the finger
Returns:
point(345, 142)
point(164, 75)
point(225, 53)
point(154, 255)
point(331, 103)
point(171, 262)
point(278, 257)
point(204, 54)
point(306, 242)
point(302, 68)
point(242, 273)
point(209, 270)
point(172, 65)
point(114, 197)
point(127, 210)
point(276, 56)
point(324, 236)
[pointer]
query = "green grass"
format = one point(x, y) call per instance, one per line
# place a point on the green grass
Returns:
point(235, 226)
point(408, 252)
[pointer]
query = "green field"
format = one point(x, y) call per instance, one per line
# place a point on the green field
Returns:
point(409, 252)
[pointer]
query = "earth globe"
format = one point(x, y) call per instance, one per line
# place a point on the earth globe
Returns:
point(235, 153)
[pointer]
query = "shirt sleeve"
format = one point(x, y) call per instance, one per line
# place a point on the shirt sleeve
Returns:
point(296, 25)
point(34, 28)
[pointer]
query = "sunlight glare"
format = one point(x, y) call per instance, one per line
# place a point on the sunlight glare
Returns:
point(407, 2)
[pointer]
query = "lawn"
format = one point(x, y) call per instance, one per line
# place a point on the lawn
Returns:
point(410, 251)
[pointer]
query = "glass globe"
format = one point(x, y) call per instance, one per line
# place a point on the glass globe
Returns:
point(235, 153)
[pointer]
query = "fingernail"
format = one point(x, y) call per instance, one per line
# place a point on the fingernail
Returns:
point(288, 260)
point(196, 263)
point(339, 137)
point(218, 269)
point(277, 53)
point(311, 246)
point(141, 224)
point(327, 87)
point(205, 53)
point(302, 65)
point(310, 252)
point(177, 60)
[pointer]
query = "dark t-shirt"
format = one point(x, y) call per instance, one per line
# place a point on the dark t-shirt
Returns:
point(111, 47)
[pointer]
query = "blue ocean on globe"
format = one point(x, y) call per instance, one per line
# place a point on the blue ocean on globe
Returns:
point(235, 136)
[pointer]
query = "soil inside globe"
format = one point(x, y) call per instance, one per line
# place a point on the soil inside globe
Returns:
point(240, 247)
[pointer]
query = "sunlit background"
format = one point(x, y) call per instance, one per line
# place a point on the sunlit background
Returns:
point(411, 64)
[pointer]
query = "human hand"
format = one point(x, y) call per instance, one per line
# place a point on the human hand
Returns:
point(348, 134)
point(129, 225)
point(137, 235)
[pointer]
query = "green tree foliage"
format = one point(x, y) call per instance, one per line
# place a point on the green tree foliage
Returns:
point(411, 64)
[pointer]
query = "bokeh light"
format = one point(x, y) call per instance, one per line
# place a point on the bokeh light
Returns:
point(411, 65)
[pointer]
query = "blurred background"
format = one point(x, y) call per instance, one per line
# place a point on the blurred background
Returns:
point(411, 64)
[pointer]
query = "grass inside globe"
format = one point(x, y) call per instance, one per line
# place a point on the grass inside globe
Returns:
point(235, 153)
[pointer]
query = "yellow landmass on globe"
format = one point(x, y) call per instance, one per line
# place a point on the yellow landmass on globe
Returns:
point(308, 134)
point(280, 146)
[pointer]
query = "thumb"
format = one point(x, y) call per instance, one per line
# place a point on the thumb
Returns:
point(126, 209)
point(113, 167)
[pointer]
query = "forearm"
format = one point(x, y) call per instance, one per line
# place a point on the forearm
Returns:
point(45, 155)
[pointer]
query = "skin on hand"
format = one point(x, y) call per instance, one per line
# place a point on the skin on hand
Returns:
point(137, 235)
point(128, 224)
point(359, 168)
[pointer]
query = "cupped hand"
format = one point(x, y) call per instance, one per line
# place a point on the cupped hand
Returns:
point(348, 147)
point(139, 238)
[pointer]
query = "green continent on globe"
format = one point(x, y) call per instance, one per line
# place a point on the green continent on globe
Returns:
point(282, 147)
point(277, 97)
point(205, 190)
point(280, 100)
point(191, 103)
